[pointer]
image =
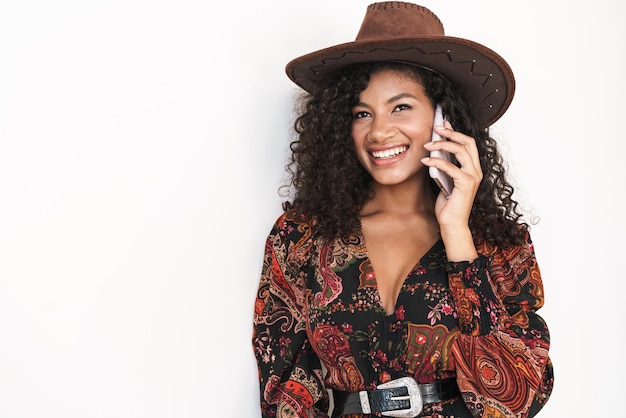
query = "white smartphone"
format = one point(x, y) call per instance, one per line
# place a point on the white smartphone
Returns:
point(444, 181)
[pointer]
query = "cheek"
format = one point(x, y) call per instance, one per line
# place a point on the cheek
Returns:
point(353, 133)
point(357, 134)
point(358, 141)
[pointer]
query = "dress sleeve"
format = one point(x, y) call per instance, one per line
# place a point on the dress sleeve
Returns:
point(290, 373)
point(501, 353)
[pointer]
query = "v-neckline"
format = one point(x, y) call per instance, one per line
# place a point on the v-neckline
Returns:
point(415, 266)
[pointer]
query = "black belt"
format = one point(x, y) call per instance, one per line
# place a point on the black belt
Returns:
point(402, 397)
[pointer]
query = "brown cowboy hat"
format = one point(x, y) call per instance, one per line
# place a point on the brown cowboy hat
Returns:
point(405, 32)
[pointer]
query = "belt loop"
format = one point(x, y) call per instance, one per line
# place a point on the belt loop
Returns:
point(365, 402)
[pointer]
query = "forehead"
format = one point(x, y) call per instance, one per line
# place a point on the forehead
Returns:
point(392, 81)
point(403, 73)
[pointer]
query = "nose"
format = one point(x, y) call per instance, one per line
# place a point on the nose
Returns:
point(381, 130)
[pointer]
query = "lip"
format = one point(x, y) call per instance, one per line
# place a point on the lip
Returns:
point(388, 154)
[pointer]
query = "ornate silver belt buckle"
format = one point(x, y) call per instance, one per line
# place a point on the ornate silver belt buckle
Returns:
point(414, 397)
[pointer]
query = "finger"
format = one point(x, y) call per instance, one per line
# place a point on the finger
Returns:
point(467, 141)
point(463, 180)
point(458, 137)
point(464, 158)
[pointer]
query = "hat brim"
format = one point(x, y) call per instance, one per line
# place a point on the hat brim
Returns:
point(482, 76)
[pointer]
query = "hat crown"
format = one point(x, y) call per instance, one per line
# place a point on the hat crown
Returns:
point(395, 18)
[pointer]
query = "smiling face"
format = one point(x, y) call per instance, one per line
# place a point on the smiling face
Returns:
point(392, 122)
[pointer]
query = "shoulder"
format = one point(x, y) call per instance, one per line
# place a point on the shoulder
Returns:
point(514, 261)
point(292, 226)
point(513, 267)
point(521, 249)
point(292, 237)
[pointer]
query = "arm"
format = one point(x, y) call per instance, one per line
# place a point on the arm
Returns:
point(501, 354)
point(290, 374)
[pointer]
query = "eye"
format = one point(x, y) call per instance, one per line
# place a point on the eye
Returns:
point(360, 115)
point(401, 107)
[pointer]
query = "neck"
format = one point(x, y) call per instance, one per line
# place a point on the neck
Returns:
point(410, 197)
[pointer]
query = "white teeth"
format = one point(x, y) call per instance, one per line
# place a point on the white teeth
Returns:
point(388, 153)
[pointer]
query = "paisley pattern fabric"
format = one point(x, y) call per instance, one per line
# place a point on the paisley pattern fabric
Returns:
point(319, 326)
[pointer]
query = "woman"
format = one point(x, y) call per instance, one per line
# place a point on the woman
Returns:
point(378, 288)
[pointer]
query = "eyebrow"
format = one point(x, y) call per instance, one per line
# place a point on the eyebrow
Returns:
point(400, 96)
point(391, 100)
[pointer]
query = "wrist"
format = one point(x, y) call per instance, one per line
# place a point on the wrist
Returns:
point(459, 244)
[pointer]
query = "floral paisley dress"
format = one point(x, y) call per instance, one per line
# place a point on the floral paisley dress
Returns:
point(319, 326)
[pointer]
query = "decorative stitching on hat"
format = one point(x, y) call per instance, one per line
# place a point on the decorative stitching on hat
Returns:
point(399, 4)
point(448, 52)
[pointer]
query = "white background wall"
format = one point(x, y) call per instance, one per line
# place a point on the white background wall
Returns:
point(142, 144)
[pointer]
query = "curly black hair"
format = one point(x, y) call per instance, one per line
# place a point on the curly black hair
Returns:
point(330, 184)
